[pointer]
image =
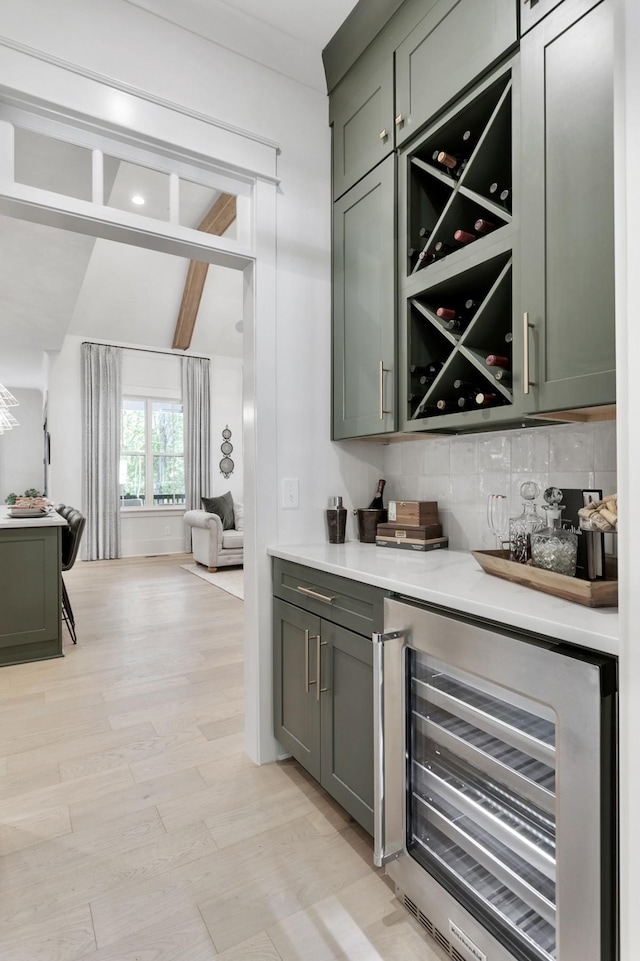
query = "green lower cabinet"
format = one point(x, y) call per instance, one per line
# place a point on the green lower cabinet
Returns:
point(330, 730)
point(30, 627)
point(346, 721)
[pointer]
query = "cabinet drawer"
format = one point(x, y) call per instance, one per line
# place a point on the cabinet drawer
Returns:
point(349, 603)
point(456, 42)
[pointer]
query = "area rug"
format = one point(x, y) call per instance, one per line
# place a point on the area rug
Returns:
point(230, 580)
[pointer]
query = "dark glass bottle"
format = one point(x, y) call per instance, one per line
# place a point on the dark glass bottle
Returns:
point(496, 360)
point(376, 503)
point(464, 236)
point(505, 198)
point(453, 163)
point(485, 399)
point(441, 249)
point(503, 377)
point(483, 226)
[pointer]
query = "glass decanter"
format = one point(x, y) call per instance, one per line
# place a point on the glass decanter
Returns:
point(528, 522)
point(554, 548)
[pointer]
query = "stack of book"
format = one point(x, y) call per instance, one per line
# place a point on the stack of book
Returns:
point(412, 526)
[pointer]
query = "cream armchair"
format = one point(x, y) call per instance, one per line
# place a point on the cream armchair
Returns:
point(212, 546)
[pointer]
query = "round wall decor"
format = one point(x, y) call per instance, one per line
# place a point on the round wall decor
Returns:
point(226, 464)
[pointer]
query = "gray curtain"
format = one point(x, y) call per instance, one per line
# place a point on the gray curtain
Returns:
point(101, 412)
point(196, 403)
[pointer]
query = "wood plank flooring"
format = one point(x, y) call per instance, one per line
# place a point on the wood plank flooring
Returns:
point(132, 825)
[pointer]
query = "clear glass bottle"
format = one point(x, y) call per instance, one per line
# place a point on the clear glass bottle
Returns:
point(528, 522)
point(554, 548)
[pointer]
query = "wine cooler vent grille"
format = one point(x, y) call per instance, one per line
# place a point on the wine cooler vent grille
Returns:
point(431, 929)
point(441, 940)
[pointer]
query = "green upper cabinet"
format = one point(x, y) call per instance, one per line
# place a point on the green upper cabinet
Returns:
point(567, 237)
point(531, 11)
point(361, 116)
point(364, 306)
point(451, 46)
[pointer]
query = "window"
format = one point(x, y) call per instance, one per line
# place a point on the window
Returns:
point(151, 453)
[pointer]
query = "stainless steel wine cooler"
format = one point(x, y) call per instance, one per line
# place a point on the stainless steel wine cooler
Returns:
point(495, 787)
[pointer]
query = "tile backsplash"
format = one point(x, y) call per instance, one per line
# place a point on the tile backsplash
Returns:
point(460, 472)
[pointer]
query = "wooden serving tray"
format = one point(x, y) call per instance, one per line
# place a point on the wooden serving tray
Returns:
point(602, 593)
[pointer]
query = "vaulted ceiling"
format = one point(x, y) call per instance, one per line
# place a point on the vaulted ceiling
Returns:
point(55, 283)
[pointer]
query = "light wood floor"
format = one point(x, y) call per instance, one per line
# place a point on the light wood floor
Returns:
point(132, 825)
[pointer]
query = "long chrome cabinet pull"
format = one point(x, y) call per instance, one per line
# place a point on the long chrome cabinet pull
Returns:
point(319, 689)
point(382, 370)
point(307, 641)
point(526, 382)
point(380, 855)
point(319, 597)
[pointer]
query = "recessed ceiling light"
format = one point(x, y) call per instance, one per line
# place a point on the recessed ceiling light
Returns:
point(137, 199)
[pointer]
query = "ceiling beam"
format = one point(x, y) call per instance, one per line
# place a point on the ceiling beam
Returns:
point(216, 221)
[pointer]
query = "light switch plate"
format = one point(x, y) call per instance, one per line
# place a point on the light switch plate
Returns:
point(290, 495)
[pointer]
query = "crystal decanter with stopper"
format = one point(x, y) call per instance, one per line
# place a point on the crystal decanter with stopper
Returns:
point(554, 548)
point(528, 522)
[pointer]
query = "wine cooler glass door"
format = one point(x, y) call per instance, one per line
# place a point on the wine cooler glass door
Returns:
point(481, 807)
point(497, 785)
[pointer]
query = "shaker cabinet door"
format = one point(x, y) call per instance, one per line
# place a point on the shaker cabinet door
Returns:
point(347, 721)
point(361, 116)
point(567, 237)
point(364, 306)
point(456, 42)
point(296, 707)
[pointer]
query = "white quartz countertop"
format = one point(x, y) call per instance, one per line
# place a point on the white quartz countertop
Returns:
point(454, 580)
point(52, 519)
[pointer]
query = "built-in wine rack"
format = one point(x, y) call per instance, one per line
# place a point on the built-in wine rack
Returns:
point(456, 259)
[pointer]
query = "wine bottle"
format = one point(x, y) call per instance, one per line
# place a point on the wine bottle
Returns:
point(445, 405)
point(456, 324)
point(464, 236)
point(441, 249)
point(484, 399)
point(435, 367)
point(466, 136)
point(505, 198)
point(464, 385)
point(508, 337)
point(425, 257)
point(454, 163)
point(424, 232)
point(471, 305)
point(446, 313)
point(376, 504)
point(495, 360)
point(494, 188)
point(484, 226)
point(503, 377)
point(413, 255)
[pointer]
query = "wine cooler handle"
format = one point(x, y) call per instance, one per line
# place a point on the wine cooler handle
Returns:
point(382, 370)
point(526, 382)
point(319, 689)
point(380, 854)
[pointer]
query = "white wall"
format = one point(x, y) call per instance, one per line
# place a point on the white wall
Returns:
point(153, 374)
point(460, 472)
point(22, 448)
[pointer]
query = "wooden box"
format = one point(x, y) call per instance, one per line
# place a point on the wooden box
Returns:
point(433, 544)
point(601, 593)
point(422, 532)
point(413, 513)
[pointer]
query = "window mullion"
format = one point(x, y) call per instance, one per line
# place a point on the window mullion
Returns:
point(149, 457)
